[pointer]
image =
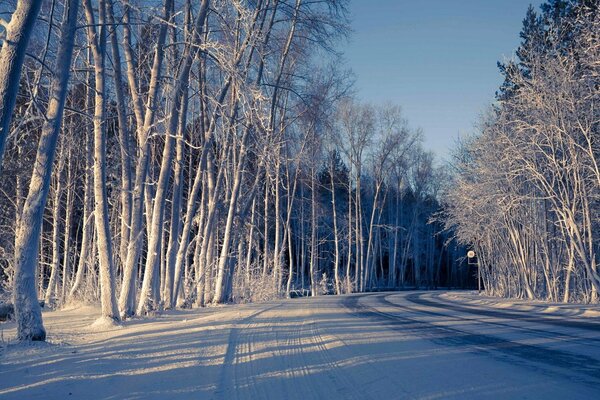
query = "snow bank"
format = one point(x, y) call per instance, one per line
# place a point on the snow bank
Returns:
point(472, 298)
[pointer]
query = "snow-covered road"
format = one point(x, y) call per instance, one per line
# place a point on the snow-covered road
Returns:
point(413, 345)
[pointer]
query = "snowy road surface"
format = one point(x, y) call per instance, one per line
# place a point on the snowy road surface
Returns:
point(408, 345)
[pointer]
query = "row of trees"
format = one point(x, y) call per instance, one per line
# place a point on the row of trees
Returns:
point(209, 152)
point(526, 190)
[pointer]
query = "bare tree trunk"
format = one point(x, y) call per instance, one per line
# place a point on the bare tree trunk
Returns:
point(208, 236)
point(570, 267)
point(393, 265)
point(250, 245)
point(124, 136)
point(200, 271)
point(205, 159)
point(155, 231)
point(265, 269)
point(223, 274)
point(313, 235)
point(176, 209)
point(336, 262)
point(97, 39)
point(277, 272)
point(302, 264)
point(358, 267)
point(144, 120)
point(12, 56)
point(370, 256)
point(154, 242)
point(66, 270)
point(55, 265)
point(288, 228)
point(27, 308)
point(88, 209)
point(349, 285)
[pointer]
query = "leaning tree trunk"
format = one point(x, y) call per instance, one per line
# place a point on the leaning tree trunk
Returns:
point(27, 309)
point(12, 56)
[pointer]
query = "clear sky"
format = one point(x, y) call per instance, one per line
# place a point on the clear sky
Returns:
point(435, 58)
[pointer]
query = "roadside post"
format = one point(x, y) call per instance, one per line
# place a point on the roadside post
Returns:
point(472, 260)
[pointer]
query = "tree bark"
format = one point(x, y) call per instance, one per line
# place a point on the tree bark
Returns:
point(144, 121)
point(97, 39)
point(27, 308)
point(154, 247)
point(12, 57)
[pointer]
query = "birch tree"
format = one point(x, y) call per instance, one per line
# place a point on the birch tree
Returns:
point(97, 39)
point(16, 36)
point(534, 165)
point(27, 308)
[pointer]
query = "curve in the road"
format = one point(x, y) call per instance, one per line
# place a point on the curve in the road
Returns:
point(418, 299)
point(585, 367)
point(587, 325)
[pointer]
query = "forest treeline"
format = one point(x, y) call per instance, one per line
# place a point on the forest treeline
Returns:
point(526, 189)
point(179, 153)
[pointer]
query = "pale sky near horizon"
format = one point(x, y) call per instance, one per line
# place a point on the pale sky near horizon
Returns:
point(435, 58)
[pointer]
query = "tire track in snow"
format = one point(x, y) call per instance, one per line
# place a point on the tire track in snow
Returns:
point(529, 356)
point(346, 387)
point(292, 343)
point(513, 315)
point(228, 386)
point(307, 364)
point(300, 371)
point(539, 333)
point(246, 375)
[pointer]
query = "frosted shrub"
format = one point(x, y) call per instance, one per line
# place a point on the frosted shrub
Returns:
point(324, 284)
point(254, 287)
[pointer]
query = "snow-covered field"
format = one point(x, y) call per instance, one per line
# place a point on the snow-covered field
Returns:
point(414, 345)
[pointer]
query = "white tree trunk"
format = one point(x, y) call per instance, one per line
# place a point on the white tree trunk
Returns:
point(27, 309)
point(176, 209)
point(336, 239)
point(55, 233)
point(124, 137)
point(97, 39)
point(12, 56)
point(154, 242)
point(223, 273)
point(88, 208)
point(144, 120)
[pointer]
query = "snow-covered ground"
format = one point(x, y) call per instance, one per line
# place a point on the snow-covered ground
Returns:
point(414, 345)
point(544, 307)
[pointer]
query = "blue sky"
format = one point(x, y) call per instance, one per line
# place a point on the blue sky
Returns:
point(435, 58)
